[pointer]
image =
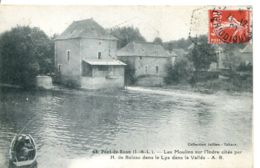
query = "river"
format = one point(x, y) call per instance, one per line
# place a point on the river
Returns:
point(68, 125)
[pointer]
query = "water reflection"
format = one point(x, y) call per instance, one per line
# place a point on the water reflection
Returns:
point(70, 124)
point(34, 165)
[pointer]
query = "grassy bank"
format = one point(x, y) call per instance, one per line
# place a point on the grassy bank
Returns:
point(214, 85)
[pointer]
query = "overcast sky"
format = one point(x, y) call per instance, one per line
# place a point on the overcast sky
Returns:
point(167, 22)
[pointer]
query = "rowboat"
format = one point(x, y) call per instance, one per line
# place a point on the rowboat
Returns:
point(22, 151)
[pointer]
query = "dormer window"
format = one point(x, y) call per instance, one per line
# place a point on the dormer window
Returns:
point(68, 55)
point(99, 55)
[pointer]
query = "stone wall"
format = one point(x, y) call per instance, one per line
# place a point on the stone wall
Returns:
point(113, 78)
point(44, 82)
point(89, 48)
point(68, 67)
point(150, 81)
point(147, 66)
point(102, 82)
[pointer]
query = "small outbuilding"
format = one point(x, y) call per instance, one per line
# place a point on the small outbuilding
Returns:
point(148, 60)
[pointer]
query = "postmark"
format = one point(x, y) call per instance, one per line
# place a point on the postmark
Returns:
point(229, 26)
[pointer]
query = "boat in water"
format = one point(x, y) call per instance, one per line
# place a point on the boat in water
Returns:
point(23, 151)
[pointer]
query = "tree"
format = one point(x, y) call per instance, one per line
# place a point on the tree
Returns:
point(129, 74)
point(181, 43)
point(202, 54)
point(25, 52)
point(126, 35)
point(181, 71)
point(158, 40)
point(230, 60)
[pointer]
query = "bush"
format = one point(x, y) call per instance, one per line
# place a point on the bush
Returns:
point(245, 67)
point(24, 53)
point(181, 71)
point(233, 84)
point(199, 76)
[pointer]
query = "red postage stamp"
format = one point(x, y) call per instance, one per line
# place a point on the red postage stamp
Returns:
point(229, 26)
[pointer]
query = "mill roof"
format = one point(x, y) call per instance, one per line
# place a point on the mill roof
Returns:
point(179, 51)
point(143, 49)
point(87, 28)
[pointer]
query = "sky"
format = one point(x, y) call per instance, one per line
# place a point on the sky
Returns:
point(166, 22)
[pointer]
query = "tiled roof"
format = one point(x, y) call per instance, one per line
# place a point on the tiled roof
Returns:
point(103, 62)
point(179, 52)
point(85, 29)
point(143, 49)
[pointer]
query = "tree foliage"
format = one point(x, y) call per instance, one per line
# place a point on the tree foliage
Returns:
point(126, 35)
point(230, 60)
point(181, 71)
point(202, 54)
point(24, 53)
point(158, 40)
point(181, 43)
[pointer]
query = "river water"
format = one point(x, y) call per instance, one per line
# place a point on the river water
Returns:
point(68, 125)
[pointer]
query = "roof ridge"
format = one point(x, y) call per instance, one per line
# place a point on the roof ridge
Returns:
point(86, 28)
point(143, 49)
point(145, 42)
point(83, 20)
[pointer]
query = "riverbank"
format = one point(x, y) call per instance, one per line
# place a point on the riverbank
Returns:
point(5, 85)
point(215, 85)
point(208, 87)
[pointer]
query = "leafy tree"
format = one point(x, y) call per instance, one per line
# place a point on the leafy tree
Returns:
point(202, 54)
point(181, 71)
point(25, 52)
point(181, 43)
point(158, 40)
point(230, 60)
point(126, 35)
point(245, 67)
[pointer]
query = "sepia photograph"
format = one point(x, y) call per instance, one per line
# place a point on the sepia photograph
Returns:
point(140, 86)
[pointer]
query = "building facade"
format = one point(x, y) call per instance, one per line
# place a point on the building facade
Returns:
point(240, 57)
point(85, 56)
point(148, 60)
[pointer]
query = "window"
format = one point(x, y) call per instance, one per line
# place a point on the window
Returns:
point(99, 55)
point(140, 58)
point(68, 55)
point(157, 69)
point(59, 67)
point(103, 68)
point(146, 69)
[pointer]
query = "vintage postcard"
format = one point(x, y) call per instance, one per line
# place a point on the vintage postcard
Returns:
point(126, 86)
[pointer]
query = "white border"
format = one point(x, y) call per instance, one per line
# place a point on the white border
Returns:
point(125, 2)
point(256, 42)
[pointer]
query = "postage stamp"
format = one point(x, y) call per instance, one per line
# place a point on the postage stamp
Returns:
point(229, 26)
